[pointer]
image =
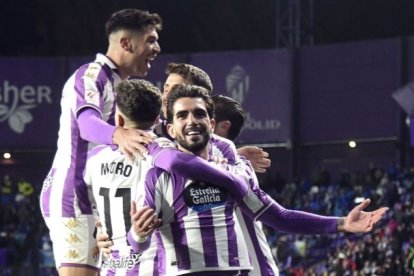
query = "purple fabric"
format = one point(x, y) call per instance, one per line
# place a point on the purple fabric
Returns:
point(297, 222)
point(92, 128)
point(207, 230)
point(138, 247)
point(274, 216)
point(232, 237)
point(173, 160)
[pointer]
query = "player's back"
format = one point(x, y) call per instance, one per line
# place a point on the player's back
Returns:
point(111, 176)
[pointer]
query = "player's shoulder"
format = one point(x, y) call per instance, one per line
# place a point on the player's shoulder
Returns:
point(221, 141)
point(164, 142)
point(97, 151)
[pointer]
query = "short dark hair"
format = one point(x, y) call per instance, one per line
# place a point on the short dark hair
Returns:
point(226, 108)
point(139, 101)
point(132, 20)
point(189, 91)
point(192, 74)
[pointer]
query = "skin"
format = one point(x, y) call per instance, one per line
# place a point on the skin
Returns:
point(132, 52)
point(171, 81)
point(191, 126)
point(257, 156)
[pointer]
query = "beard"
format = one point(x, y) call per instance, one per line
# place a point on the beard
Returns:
point(196, 144)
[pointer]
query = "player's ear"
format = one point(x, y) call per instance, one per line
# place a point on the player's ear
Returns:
point(212, 125)
point(121, 121)
point(125, 43)
point(157, 120)
point(171, 131)
point(225, 125)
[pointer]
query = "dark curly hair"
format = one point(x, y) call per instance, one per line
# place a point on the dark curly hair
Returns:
point(226, 108)
point(192, 74)
point(189, 91)
point(133, 20)
point(139, 101)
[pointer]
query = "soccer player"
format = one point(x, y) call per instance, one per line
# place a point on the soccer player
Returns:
point(88, 118)
point(229, 119)
point(108, 172)
point(181, 73)
point(198, 232)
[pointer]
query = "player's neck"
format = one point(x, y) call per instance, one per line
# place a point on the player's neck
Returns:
point(203, 153)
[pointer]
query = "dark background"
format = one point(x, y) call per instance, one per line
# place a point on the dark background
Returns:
point(76, 28)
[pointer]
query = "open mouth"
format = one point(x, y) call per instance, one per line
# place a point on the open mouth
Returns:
point(194, 131)
point(149, 59)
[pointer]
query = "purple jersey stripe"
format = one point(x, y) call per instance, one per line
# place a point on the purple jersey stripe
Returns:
point(100, 82)
point(180, 245)
point(81, 189)
point(46, 193)
point(80, 86)
point(231, 234)
point(265, 268)
point(159, 260)
point(209, 244)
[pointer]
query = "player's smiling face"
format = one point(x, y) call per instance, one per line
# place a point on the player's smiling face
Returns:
point(191, 125)
point(144, 48)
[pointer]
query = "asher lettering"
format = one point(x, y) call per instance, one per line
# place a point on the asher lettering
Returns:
point(10, 94)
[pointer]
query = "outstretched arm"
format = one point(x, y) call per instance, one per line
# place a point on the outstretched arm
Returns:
point(359, 221)
point(298, 222)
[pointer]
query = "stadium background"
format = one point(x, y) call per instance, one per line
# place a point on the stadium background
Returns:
point(313, 95)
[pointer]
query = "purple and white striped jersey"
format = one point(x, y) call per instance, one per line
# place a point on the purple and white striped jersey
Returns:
point(260, 253)
point(91, 86)
point(198, 231)
point(111, 177)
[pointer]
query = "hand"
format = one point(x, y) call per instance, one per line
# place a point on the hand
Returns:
point(221, 161)
point(257, 157)
point(130, 142)
point(358, 221)
point(103, 241)
point(144, 221)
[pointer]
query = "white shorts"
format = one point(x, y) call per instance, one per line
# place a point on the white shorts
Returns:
point(73, 241)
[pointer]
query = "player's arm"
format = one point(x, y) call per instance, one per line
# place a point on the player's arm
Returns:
point(92, 128)
point(169, 158)
point(144, 221)
point(258, 205)
point(357, 221)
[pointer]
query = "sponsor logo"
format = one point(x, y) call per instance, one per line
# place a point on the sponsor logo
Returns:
point(72, 223)
point(17, 102)
point(125, 262)
point(202, 196)
point(72, 254)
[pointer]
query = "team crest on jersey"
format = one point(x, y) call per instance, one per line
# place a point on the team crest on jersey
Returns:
point(125, 262)
point(202, 196)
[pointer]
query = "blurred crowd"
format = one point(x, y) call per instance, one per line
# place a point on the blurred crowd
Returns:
point(388, 250)
point(25, 247)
